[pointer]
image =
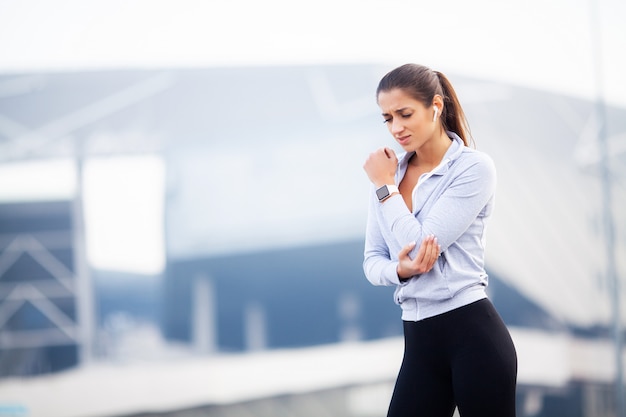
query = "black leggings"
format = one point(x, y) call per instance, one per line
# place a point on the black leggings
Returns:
point(462, 358)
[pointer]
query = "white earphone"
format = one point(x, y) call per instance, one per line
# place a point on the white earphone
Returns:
point(435, 115)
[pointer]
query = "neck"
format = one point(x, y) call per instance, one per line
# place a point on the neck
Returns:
point(431, 153)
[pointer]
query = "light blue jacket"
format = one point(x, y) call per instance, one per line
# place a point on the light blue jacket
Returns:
point(452, 202)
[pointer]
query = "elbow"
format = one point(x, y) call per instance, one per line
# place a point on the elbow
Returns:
point(369, 274)
point(375, 272)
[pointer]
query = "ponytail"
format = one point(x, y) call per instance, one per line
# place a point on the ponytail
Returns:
point(453, 117)
point(423, 84)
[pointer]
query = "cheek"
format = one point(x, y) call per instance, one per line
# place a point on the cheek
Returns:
point(424, 123)
point(418, 125)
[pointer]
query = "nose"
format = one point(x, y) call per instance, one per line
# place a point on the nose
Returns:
point(396, 126)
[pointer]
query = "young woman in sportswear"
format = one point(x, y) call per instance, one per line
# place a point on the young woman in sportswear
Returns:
point(426, 236)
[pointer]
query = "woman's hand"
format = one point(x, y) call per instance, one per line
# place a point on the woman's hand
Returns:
point(381, 166)
point(424, 260)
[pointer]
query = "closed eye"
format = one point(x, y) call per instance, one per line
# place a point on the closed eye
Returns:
point(388, 119)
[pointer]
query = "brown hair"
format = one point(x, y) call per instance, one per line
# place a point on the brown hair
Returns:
point(423, 84)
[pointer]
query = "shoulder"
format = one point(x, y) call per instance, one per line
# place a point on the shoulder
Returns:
point(476, 168)
point(474, 158)
point(464, 156)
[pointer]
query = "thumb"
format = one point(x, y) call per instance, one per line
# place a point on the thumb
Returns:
point(389, 153)
point(406, 249)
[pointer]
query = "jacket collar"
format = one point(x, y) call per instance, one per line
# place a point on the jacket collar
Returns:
point(452, 154)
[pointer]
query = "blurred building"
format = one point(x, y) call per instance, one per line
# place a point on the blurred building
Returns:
point(39, 329)
point(264, 210)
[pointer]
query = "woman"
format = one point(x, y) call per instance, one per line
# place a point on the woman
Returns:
point(439, 192)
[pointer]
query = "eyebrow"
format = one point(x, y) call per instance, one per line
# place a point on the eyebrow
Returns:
point(397, 111)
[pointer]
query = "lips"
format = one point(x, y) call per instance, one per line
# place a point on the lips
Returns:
point(403, 139)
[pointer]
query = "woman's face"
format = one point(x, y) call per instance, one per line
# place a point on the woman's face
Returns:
point(408, 120)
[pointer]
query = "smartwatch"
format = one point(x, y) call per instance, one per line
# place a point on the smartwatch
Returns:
point(385, 192)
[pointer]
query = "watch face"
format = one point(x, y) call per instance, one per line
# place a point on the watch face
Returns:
point(382, 192)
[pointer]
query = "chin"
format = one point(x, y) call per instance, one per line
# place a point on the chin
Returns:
point(408, 148)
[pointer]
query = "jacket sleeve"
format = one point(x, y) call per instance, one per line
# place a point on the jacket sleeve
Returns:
point(454, 211)
point(378, 266)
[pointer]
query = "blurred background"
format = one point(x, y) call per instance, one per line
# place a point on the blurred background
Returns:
point(182, 200)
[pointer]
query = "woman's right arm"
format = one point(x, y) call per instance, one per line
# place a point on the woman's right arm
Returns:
point(378, 266)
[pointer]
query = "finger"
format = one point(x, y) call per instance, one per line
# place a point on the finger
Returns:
point(433, 254)
point(434, 249)
point(421, 253)
point(404, 252)
point(421, 258)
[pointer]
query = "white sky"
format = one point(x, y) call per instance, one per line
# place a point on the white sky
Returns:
point(124, 213)
point(541, 43)
point(546, 44)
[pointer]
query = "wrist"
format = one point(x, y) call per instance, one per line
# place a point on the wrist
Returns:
point(385, 191)
point(384, 181)
point(399, 273)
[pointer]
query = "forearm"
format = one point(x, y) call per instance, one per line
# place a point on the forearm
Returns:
point(380, 270)
point(403, 224)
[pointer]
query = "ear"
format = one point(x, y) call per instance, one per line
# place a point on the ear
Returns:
point(437, 106)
